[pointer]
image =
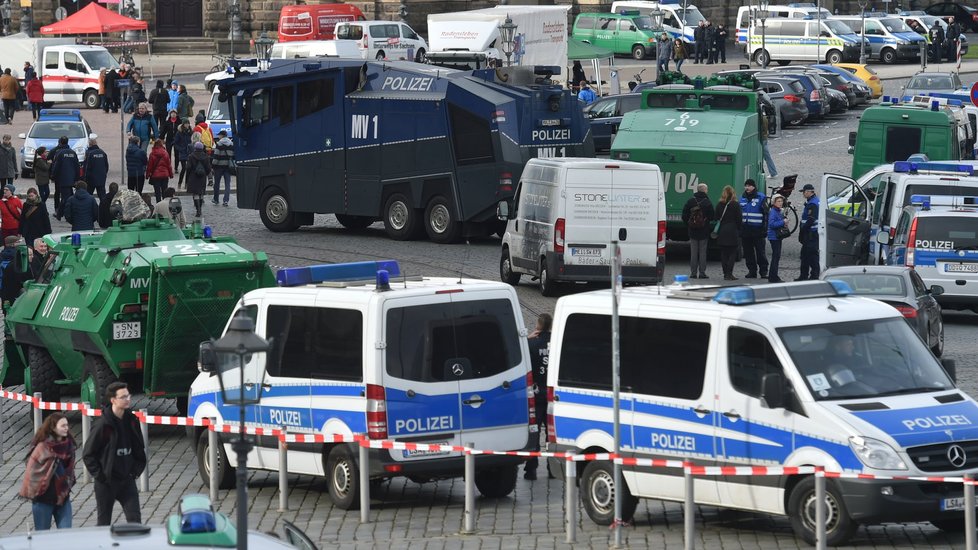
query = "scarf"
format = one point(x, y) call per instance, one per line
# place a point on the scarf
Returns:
point(50, 461)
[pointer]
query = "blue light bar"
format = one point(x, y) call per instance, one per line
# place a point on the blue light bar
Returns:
point(842, 288)
point(911, 167)
point(919, 199)
point(354, 271)
point(736, 296)
point(747, 295)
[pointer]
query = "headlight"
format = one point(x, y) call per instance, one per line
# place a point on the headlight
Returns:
point(876, 454)
point(80, 151)
point(29, 151)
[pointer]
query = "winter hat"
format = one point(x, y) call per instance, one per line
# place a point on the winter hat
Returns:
point(11, 240)
point(199, 118)
point(808, 187)
point(199, 146)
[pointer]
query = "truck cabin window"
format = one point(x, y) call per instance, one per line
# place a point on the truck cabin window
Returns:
point(256, 107)
point(901, 142)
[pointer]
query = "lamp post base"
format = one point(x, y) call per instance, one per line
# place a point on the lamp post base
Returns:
point(242, 446)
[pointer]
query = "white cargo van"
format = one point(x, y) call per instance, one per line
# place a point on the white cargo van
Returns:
point(759, 376)
point(568, 210)
point(69, 71)
point(315, 48)
point(383, 40)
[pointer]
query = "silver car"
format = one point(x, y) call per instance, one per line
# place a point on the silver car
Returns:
point(923, 83)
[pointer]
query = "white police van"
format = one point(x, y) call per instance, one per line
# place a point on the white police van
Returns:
point(938, 237)
point(679, 19)
point(421, 360)
point(795, 10)
point(890, 39)
point(764, 381)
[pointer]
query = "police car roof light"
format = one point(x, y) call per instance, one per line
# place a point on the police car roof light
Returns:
point(911, 167)
point(921, 200)
point(298, 276)
point(197, 515)
point(738, 296)
point(886, 99)
point(383, 280)
point(935, 105)
point(745, 295)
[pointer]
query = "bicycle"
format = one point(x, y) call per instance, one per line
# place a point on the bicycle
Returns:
point(221, 65)
point(788, 211)
point(126, 57)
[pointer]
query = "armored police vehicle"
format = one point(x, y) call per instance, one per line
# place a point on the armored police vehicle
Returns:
point(793, 374)
point(426, 149)
point(411, 359)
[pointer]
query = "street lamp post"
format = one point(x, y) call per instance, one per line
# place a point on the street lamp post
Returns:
point(863, 4)
point(5, 14)
point(263, 51)
point(234, 15)
point(818, 30)
point(507, 35)
point(26, 18)
point(239, 358)
point(763, 13)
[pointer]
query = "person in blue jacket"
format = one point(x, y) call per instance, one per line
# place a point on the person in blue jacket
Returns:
point(174, 92)
point(808, 235)
point(96, 168)
point(754, 208)
point(143, 125)
point(81, 210)
point(775, 221)
point(136, 162)
point(65, 171)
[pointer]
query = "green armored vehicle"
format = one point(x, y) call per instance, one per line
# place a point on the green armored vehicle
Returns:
point(130, 303)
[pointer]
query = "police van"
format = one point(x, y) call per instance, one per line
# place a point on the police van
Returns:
point(889, 37)
point(795, 10)
point(358, 350)
point(787, 40)
point(938, 237)
point(766, 381)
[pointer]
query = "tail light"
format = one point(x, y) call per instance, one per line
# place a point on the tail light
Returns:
point(531, 400)
point(505, 182)
point(376, 412)
point(661, 246)
point(365, 43)
point(815, 96)
point(974, 17)
point(559, 236)
point(792, 98)
point(499, 116)
point(874, 77)
point(911, 243)
point(907, 311)
point(551, 432)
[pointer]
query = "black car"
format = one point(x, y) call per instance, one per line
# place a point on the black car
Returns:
point(966, 16)
point(836, 82)
point(788, 95)
point(605, 115)
point(902, 288)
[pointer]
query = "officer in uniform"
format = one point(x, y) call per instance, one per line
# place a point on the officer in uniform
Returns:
point(539, 342)
point(808, 235)
point(754, 233)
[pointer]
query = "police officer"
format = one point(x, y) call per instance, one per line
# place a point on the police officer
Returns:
point(951, 39)
point(754, 233)
point(699, 42)
point(96, 168)
point(65, 171)
point(936, 35)
point(539, 342)
point(808, 235)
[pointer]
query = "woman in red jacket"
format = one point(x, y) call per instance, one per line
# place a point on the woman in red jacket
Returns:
point(35, 94)
point(159, 169)
point(10, 210)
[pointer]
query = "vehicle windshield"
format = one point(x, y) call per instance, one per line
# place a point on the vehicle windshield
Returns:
point(931, 82)
point(218, 110)
point(690, 16)
point(928, 21)
point(947, 233)
point(872, 284)
point(895, 25)
point(99, 59)
point(643, 22)
point(863, 359)
point(837, 27)
point(56, 129)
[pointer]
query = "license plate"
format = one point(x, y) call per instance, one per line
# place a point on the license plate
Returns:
point(550, 122)
point(127, 331)
point(416, 454)
point(950, 504)
point(585, 252)
point(961, 268)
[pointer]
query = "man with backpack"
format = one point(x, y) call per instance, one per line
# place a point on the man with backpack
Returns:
point(203, 133)
point(697, 212)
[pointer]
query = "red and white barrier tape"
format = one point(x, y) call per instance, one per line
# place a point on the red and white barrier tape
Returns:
point(249, 430)
point(750, 470)
point(652, 462)
point(319, 438)
point(172, 420)
point(59, 406)
point(405, 446)
point(16, 396)
point(853, 475)
point(591, 456)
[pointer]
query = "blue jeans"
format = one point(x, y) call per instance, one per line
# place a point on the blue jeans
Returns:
point(222, 174)
point(679, 65)
point(44, 512)
point(772, 171)
point(772, 272)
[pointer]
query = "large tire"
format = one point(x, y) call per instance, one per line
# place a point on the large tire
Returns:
point(839, 527)
point(496, 482)
point(421, 56)
point(96, 377)
point(276, 211)
point(354, 223)
point(833, 57)
point(44, 372)
point(223, 470)
point(440, 222)
point(638, 52)
point(343, 477)
point(90, 99)
point(506, 273)
point(598, 494)
point(400, 218)
point(888, 56)
point(548, 287)
point(938, 346)
point(762, 58)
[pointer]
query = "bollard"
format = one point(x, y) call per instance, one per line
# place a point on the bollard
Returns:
point(283, 473)
point(469, 522)
point(969, 513)
point(86, 432)
point(689, 511)
point(820, 510)
point(3, 425)
point(364, 482)
point(37, 412)
point(144, 477)
point(212, 444)
point(570, 492)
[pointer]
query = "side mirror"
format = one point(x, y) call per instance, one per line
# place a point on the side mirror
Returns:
point(936, 290)
point(772, 391)
point(825, 34)
point(950, 369)
point(206, 358)
point(22, 135)
point(852, 139)
point(502, 210)
point(883, 237)
point(92, 136)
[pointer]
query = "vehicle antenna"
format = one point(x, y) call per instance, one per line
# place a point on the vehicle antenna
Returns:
point(461, 266)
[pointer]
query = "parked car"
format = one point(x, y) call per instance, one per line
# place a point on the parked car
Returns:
point(836, 82)
point(787, 94)
point(864, 92)
point(51, 125)
point(838, 102)
point(963, 14)
point(867, 74)
point(925, 82)
point(605, 116)
point(816, 97)
point(902, 288)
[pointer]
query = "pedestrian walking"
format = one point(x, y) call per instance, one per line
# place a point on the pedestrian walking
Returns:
point(663, 54)
point(721, 44)
point(81, 209)
point(198, 170)
point(136, 161)
point(775, 222)
point(34, 219)
point(808, 235)
point(679, 53)
point(728, 230)
point(185, 104)
point(50, 473)
point(115, 456)
point(159, 98)
point(586, 94)
point(224, 167)
point(764, 130)
point(203, 133)
point(699, 42)
point(182, 147)
point(936, 35)
point(754, 233)
point(539, 343)
point(697, 214)
point(35, 95)
point(96, 168)
point(8, 162)
point(159, 170)
point(162, 208)
point(174, 93)
point(9, 87)
point(143, 126)
point(42, 173)
point(65, 171)
point(11, 210)
point(168, 133)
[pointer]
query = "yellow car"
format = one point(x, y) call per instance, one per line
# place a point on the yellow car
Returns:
point(867, 74)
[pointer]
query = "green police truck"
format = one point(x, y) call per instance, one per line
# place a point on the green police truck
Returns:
point(695, 134)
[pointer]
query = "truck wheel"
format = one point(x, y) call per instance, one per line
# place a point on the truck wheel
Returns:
point(354, 223)
point(888, 56)
point(223, 470)
point(90, 99)
point(839, 527)
point(638, 52)
point(496, 482)
point(548, 287)
point(506, 273)
point(440, 223)
point(344, 478)
point(44, 373)
point(833, 57)
point(381, 56)
point(276, 211)
point(96, 377)
point(400, 218)
point(762, 58)
point(421, 56)
point(598, 494)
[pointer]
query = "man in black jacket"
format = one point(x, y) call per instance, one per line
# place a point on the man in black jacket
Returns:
point(96, 168)
point(699, 43)
point(115, 456)
point(700, 223)
point(539, 342)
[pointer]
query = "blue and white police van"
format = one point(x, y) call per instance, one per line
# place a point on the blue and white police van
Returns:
point(938, 237)
point(357, 350)
point(794, 374)
point(889, 37)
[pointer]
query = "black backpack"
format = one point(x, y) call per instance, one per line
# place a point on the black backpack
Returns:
point(696, 218)
point(199, 168)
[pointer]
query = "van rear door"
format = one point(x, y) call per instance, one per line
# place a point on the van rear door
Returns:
point(843, 222)
point(635, 209)
point(588, 199)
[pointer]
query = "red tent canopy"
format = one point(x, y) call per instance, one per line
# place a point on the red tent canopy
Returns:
point(94, 19)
